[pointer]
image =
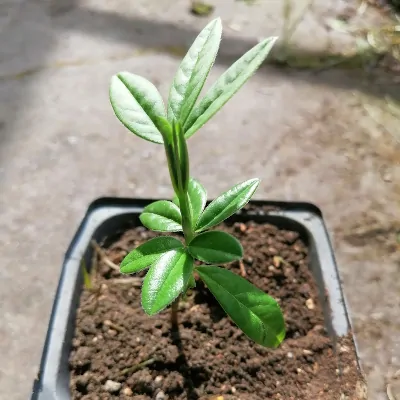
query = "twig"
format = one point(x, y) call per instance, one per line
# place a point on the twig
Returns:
point(242, 269)
point(134, 281)
point(113, 326)
point(137, 367)
point(277, 260)
point(103, 256)
point(390, 392)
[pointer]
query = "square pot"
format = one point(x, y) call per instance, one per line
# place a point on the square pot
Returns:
point(107, 216)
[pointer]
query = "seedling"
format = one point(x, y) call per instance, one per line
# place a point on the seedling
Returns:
point(139, 106)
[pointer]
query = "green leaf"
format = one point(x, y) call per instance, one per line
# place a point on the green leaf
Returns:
point(193, 72)
point(166, 279)
point(253, 311)
point(197, 199)
point(148, 253)
point(87, 281)
point(136, 103)
point(227, 85)
point(215, 247)
point(227, 204)
point(162, 216)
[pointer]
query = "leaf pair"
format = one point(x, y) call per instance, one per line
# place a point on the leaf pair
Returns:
point(165, 216)
point(139, 106)
point(171, 271)
point(210, 247)
point(171, 265)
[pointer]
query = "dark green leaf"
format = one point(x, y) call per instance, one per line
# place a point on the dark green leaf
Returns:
point(193, 71)
point(254, 312)
point(166, 279)
point(136, 103)
point(227, 204)
point(227, 85)
point(215, 247)
point(147, 253)
point(197, 199)
point(162, 216)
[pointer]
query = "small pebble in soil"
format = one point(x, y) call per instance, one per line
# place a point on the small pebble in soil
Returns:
point(242, 227)
point(310, 304)
point(112, 386)
point(160, 396)
point(158, 379)
point(127, 391)
point(344, 349)
point(346, 370)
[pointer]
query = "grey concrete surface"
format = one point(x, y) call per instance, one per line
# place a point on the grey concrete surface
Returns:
point(306, 135)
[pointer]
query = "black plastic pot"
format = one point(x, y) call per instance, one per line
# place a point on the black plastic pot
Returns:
point(107, 216)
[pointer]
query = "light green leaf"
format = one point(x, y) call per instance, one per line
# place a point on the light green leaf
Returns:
point(87, 281)
point(253, 311)
point(147, 253)
point(215, 247)
point(227, 204)
point(166, 279)
point(227, 85)
point(193, 72)
point(162, 216)
point(197, 199)
point(136, 103)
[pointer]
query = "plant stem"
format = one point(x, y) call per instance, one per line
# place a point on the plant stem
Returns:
point(174, 314)
point(186, 218)
point(178, 161)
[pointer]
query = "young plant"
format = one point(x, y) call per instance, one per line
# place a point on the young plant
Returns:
point(139, 106)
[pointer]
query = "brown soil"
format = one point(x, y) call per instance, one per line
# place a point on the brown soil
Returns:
point(210, 358)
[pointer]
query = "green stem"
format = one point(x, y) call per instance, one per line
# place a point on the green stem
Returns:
point(186, 217)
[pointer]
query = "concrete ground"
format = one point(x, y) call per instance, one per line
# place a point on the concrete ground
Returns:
point(307, 135)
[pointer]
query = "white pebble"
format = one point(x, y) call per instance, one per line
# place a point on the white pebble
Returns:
point(160, 396)
point(310, 304)
point(127, 391)
point(158, 379)
point(112, 386)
